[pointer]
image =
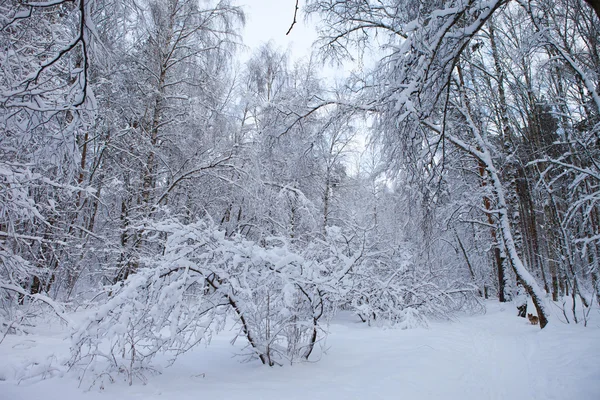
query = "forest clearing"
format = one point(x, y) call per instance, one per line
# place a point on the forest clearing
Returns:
point(300, 198)
point(495, 355)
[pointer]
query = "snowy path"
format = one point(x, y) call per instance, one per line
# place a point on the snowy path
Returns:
point(492, 356)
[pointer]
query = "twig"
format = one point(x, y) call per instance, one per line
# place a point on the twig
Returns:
point(294, 21)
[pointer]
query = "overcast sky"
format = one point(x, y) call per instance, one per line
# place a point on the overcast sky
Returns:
point(270, 20)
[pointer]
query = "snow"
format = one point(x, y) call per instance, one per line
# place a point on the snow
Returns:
point(492, 356)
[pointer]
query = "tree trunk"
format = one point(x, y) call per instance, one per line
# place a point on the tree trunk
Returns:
point(482, 154)
point(523, 275)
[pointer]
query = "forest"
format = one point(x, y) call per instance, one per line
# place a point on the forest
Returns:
point(156, 192)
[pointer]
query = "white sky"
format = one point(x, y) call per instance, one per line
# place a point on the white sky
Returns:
point(270, 20)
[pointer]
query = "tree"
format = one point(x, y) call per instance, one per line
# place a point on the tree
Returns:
point(421, 88)
point(46, 106)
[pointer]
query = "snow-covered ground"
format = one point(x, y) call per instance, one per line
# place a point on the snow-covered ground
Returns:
point(491, 356)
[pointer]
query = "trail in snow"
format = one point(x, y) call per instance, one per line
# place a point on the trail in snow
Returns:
point(491, 356)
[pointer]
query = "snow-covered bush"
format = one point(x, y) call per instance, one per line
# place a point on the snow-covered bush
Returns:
point(183, 297)
point(385, 286)
point(155, 310)
point(278, 293)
